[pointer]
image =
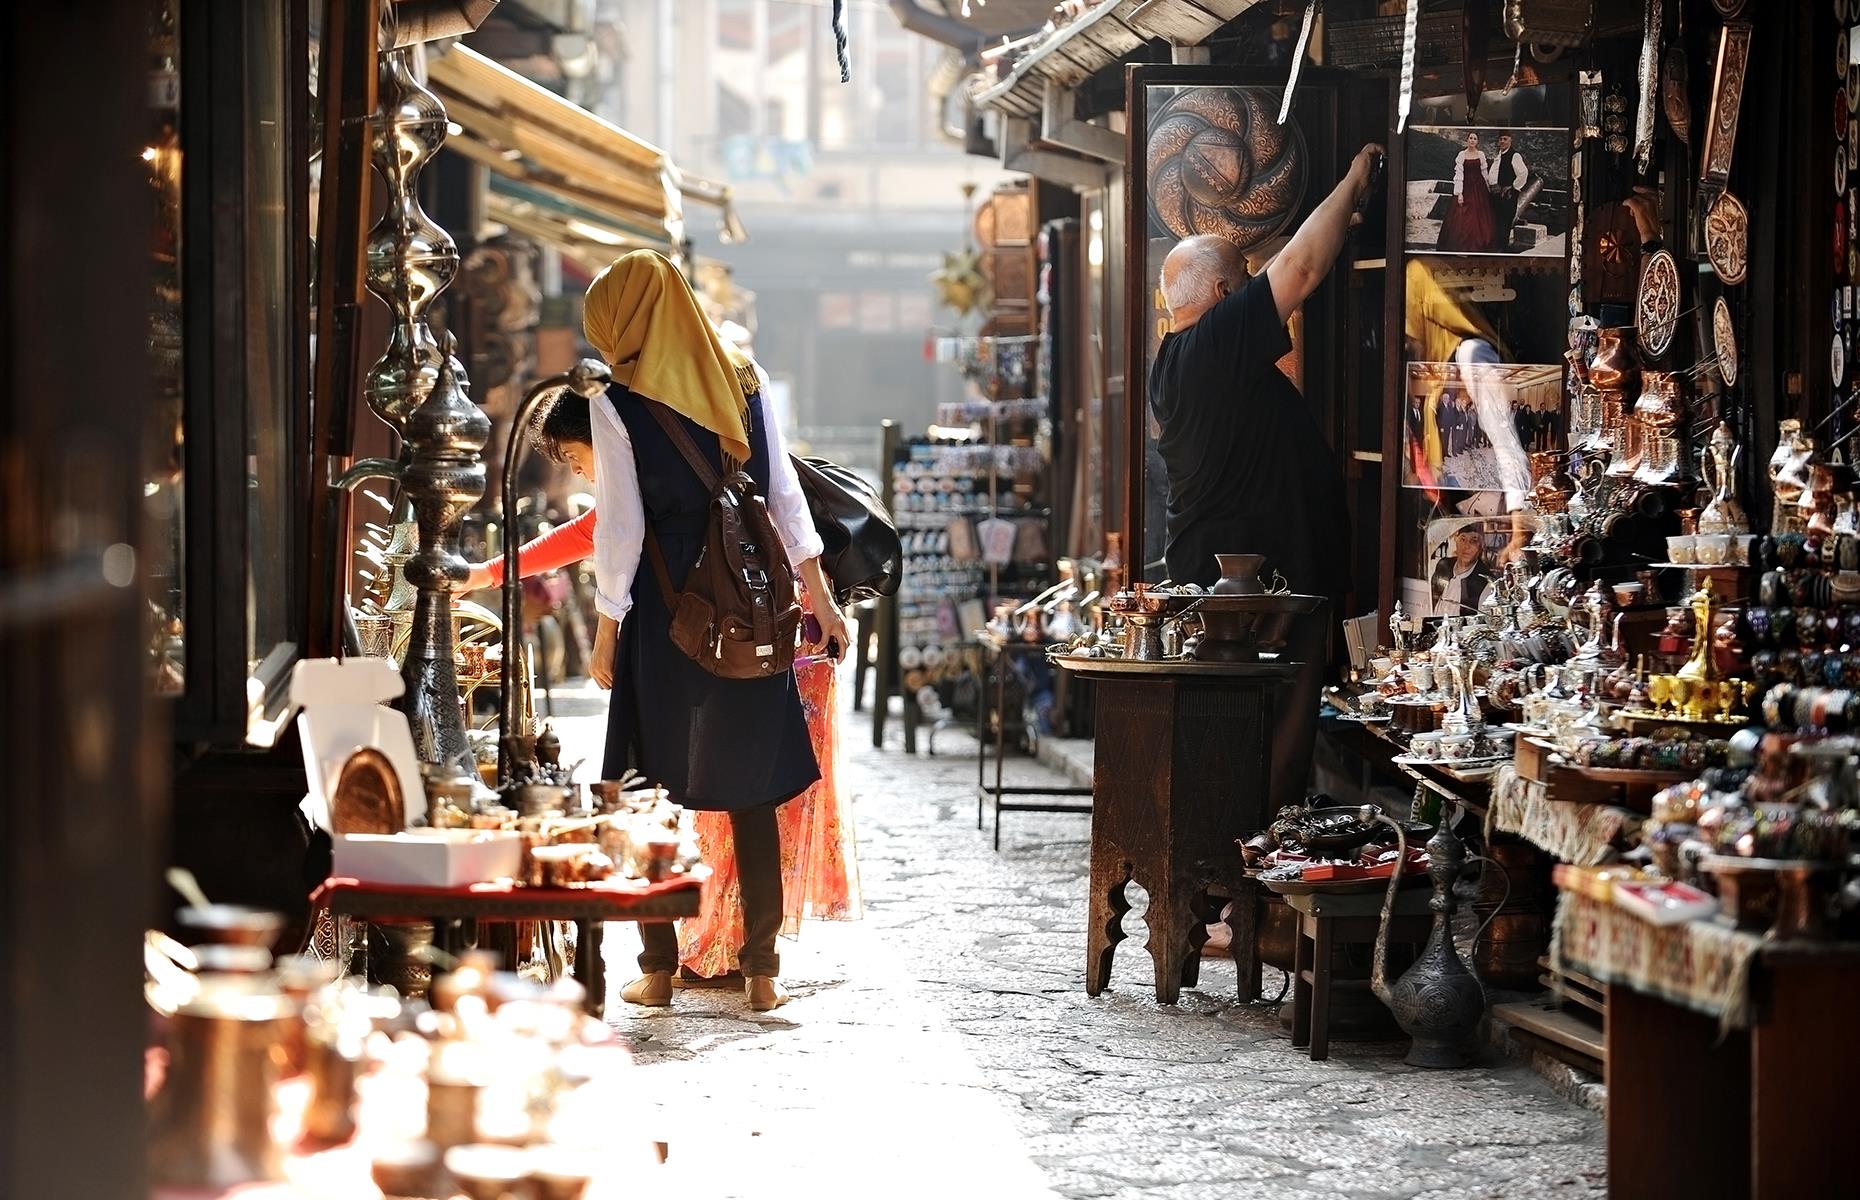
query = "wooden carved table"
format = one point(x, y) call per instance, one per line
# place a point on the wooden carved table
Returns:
point(588, 907)
point(1182, 771)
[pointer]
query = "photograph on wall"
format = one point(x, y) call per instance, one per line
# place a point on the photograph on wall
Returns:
point(1494, 181)
point(1471, 428)
point(1464, 555)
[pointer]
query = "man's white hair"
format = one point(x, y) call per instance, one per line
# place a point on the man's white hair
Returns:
point(1201, 267)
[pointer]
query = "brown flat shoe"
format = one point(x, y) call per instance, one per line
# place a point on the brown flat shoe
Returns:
point(651, 990)
point(689, 979)
point(764, 993)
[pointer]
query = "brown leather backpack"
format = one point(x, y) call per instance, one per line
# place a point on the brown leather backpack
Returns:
point(737, 617)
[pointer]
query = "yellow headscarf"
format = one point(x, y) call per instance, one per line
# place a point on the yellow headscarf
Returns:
point(641, 316)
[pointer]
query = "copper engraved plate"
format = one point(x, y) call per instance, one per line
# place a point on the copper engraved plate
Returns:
point(367, 797)
point(1724, 341)
point(1727, 97)
point(1727, 230)
point(1656, 317)
point(1220, 163)
point(1675, 96)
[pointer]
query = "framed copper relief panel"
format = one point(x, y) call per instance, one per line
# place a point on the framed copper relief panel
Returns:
point(1206, 155)
point(1727, 97)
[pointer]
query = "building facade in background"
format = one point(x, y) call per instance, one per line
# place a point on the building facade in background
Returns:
point(851, 192)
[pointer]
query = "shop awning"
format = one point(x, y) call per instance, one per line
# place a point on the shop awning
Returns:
point(1106, 33)
point(593, 171)
point(719, 195)
point(590, 237)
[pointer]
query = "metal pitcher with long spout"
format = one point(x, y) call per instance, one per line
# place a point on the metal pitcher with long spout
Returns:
point(1437, 1001)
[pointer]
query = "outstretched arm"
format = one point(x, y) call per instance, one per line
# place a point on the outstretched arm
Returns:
point(1306, 259)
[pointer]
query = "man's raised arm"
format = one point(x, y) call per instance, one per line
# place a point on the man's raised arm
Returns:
point(1306, 259)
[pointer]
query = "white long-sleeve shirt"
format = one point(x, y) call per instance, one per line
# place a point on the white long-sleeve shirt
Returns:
point(620, 535)
point(1496, 167)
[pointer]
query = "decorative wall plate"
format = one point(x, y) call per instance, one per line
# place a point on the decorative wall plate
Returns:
point(1675, 97)
point(1837, 361)
point(1219, 162)
point(1656, 316)
point(1728, 8)
point(1724, 341)
point(1727, 230)
point(367, 798)
point(1727, 97)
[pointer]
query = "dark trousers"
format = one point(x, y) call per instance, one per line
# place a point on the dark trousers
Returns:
point(1294, 734)
point(758, 867)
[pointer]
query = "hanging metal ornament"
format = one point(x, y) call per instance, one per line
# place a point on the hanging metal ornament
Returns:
point(1727, 238)
point(1656, 317)
point(1473, 41)
point(1727, 97)
point(1614, 121)
point(1589, 105)
point(1724, 341)
point(1410, 46)
point(1675, 97)
point(1298, 58)
point(1649, 85)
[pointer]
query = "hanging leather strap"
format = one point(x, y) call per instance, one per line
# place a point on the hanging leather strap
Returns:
point(681, 438)
point(707, 475)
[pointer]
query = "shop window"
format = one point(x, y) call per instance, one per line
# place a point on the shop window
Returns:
point(233, 592)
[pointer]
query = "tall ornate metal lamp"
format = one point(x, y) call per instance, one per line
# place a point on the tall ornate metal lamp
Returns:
point(420, 389)
point(515, 748)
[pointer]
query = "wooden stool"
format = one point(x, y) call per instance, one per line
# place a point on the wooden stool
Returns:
point(1327, 919)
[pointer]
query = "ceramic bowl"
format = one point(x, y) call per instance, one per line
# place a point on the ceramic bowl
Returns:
point(1680, 549)
point(1712, 548)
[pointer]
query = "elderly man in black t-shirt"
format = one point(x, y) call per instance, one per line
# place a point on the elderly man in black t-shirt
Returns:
point(1249, 470)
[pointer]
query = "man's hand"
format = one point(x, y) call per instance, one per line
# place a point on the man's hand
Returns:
point(1362, 170)
point(601, 661)
point(1306, 259)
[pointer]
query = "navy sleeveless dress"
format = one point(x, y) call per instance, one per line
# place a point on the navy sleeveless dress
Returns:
point(716, 744)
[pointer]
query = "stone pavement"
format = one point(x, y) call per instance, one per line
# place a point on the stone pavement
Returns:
point(944, 1046)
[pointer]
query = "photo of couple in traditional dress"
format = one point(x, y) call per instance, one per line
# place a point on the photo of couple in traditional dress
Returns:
point(1485, 190)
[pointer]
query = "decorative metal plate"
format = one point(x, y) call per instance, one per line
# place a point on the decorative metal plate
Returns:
point(1728, 8)
point(1675, 97)
point(1724, 341)
point(1727, 231)
point(1837, 361)
point(1656, 317)
point(367, 797)
point(1727, 97)
point(1220, 163)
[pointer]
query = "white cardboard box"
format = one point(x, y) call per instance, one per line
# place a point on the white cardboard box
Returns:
point(428, 857)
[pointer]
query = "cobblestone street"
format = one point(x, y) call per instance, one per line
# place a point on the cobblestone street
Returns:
point(945, 1046)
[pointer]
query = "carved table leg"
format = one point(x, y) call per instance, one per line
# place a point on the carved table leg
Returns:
point(1172, 921)
point(1104, 925)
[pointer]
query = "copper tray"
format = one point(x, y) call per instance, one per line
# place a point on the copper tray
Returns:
point(367, 798)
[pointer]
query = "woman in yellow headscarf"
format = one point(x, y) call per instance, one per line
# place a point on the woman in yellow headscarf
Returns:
point(739, 746)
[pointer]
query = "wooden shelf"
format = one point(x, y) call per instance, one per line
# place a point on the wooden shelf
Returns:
point(1556, 1029)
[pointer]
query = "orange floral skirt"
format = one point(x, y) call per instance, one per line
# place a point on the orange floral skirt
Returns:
point(819, 861)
